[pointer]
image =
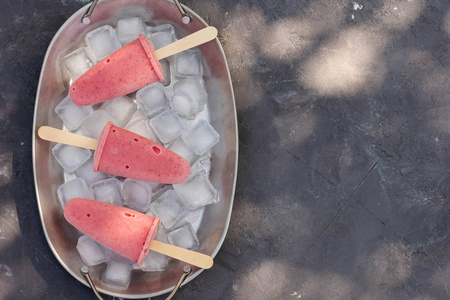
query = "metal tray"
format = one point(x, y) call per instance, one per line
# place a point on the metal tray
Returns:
point(48, 175)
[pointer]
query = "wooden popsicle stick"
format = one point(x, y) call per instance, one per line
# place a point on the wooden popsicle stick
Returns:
point(191, 257)
point(60, 136)
point(197, 38)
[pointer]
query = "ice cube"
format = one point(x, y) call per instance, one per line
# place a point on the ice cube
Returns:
point(137, 194)
point(155, 261)
point(86, 171)
point(165, 66)
point(183, 236)
point(180, 148)
point(184, 105)
point(77, 63)
point(71, 114)
point(143, 128)
point(120, 108)
point(197, 191)
point(169, 208)
point(137, 116)
point(160, 189)
point(117, 273)
point(94, 125)
point(75, 188)
point(161, 35)
point(108, 190)
point(194, 217)
point(202, 163)
point(70, 157)
point(194, 87)
point(128, 29)
point(167, 126)
point(188, 63)
point(153, 99)
point(102, 42)
point(91, 252)
point(201, 137)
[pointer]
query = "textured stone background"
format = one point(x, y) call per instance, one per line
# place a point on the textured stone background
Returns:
point(343, 184)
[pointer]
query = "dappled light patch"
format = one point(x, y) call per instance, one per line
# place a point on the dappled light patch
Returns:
point(287, 39)
point(6, 168)
point(399, 14)
point(246, 26)
point(349, 63)
point(446, 23)
point(326, 285)
point(389, 266)
point(266, 281)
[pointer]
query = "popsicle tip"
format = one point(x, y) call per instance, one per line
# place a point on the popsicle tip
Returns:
point(214, 29)
point(41, 132)
point(208, 263)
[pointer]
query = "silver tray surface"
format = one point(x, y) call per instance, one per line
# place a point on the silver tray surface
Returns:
point(48, 175)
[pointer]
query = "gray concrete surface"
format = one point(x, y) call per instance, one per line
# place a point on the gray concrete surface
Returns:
point(344, 121)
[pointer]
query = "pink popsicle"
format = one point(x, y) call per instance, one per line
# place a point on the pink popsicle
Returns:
point(124, 153)
point(124, 231)
point(126, 70)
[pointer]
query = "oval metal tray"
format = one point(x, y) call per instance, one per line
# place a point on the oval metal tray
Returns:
point(48, 175)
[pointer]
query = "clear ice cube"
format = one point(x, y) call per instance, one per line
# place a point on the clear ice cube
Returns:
point(137, 194)
point(77, 63)
point(91, 252)
point(117, 273)
point(128, 29)
point(197, 191)
point(169, 208)
point(108, 190)
point(161, 35)
point(86, 171)
point(155, 262)
point(184, 105)
point(194, 217)
point(71, 114)
point(153, 99)
point(167, 126)
point(180, 148)
point(184, 236)
point(75, 188)
point(201, 137)
point(143, 128)
point(188, 63)
point(165, 66)
point(102, 42)
point(194, 87)
point(70, 157)
point(94, 125)
point(120, 108)
point(137, 116)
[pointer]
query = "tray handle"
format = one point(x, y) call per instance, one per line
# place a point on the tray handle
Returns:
point(186, 271)
point(86, 18)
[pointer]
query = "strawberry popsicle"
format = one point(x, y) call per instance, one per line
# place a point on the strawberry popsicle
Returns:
point(124, 153)
point(120, 229)
point(125, 231)
point(126, 70)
